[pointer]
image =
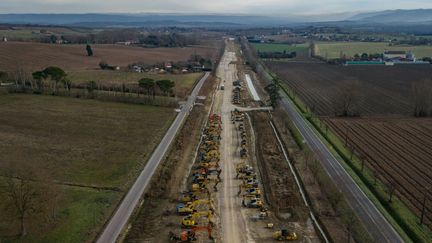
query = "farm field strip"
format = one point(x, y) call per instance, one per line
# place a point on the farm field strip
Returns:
point(318, 84)
point(334, 49)
point(302, 48)
point(29, 55)
point(394, 153)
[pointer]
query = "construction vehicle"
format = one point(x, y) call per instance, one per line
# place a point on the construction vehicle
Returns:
point(193, 195)
point(252, 202)
point(251, 181)
point(190, 235)
point(247, 186)
point(253, 192)
point(285, 235)
point(244, 168)
point(260, 216)
point(188, 208)
point(192, 219)
point(243, 153)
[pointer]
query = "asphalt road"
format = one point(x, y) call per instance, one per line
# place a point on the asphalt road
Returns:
point(121, 217)
point(375, 223)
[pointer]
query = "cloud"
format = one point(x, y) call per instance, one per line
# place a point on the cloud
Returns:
point(264, 7)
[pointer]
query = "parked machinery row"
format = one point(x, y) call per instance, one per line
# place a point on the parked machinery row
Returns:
point(196, 205)
point(249, 188)
point(236, 96)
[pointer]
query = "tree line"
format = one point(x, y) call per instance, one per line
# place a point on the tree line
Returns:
point(152, 39)
point(54, 80)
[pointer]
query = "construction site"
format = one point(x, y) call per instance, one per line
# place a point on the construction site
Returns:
point(239, 187)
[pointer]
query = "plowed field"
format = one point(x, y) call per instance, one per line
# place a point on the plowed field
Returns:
point(399, 151)
point(382, 89)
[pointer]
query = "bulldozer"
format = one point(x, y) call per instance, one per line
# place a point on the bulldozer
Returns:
point(284, 235)
point(191, 219)
point(190, 235)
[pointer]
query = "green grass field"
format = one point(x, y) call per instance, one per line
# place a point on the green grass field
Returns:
point(184, 82)
point(81, 142)
point(300, 48)
point(333, 50)
point(33, 32)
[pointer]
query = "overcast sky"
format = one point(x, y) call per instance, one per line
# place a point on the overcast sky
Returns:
point(262, 7)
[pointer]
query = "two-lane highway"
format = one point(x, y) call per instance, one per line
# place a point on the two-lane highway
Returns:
point(120, 218)
point(376, 224)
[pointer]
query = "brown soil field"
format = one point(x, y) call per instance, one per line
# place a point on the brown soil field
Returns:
point(33, 56)
point(381, 89)
point(399, 151)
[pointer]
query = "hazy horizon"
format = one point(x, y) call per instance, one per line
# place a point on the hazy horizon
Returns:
point(240, 7)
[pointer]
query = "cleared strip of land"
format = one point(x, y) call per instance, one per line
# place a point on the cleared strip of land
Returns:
point(251, 88)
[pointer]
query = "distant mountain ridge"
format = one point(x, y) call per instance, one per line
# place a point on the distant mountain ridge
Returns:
point(395, 16)
point(136, 19)
point(388, 17)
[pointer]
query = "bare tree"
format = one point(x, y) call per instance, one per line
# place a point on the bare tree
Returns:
point(421, 93)
point(391, 188)
point(21, 198)
point(335, 197)
point(425, 197)
point(375, 175)
point(29, 193)
point(308, 156)
point(363, 159)
point(346, 100)
point(21, 77)
point(314, 169)
point(350, 221)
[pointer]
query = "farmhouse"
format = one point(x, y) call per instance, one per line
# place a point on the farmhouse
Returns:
point(168, 65)
point(394, 54)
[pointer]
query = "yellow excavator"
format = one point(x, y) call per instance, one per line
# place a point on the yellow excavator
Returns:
point(193, 195)
point(184, 209)
point(192, 219)
point(284, 235)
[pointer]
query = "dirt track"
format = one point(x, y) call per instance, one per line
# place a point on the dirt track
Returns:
point(234, 228)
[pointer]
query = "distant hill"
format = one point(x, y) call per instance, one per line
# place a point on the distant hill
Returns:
point(390, 18)
point(137, 20)
point(395, 16)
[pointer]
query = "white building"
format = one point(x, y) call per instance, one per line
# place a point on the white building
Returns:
point(394, 54)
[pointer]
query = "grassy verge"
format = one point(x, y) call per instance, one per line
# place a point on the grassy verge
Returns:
point(403, 220)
